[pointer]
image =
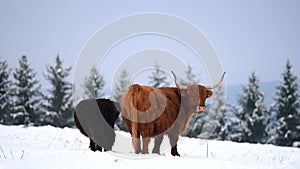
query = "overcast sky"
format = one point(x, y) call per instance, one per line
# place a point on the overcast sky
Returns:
point(247, 35)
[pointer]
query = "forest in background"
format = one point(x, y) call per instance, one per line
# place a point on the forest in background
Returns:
point(23, 101)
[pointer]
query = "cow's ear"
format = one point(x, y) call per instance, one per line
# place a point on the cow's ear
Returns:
point(209, 93)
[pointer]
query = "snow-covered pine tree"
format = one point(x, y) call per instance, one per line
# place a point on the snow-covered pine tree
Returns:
point(259, 122)
point(93, 84)
point(196, 125)
point(287, 108)
point(190, 78)
point(5, 93)
point(27, 95)
point(212, 127)
point(232, 128)
point(253, 113)
point(271, 128)
point(158, 78)
point(58, 107)
point(120, 87)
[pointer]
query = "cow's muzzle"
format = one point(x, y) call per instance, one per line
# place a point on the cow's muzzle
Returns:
point(201, 109)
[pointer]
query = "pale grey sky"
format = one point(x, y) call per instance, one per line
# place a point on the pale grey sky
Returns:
point(247, 35)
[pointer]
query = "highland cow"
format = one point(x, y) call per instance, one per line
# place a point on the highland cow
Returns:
point(95, 118)
point(153, 112)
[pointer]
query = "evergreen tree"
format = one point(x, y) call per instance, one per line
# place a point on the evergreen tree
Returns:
point(120, 87)
point(196, 126)
point(5, 93)
point(213, 125)
point(287, 106)
point(190, 79)
point(158, 78)
point(93, 84)
point(271, 129)
point(58, 109)
point(253, 112)
point(27, 95)
point(232, 128)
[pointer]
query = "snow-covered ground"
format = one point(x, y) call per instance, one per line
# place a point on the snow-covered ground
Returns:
point(49, 147)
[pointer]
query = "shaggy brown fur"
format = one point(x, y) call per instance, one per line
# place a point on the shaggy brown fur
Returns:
point(153, 112)
point(179, 107)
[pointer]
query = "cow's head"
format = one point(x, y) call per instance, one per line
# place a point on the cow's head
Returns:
point(194, 96)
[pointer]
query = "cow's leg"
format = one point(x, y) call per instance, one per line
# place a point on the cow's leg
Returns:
point(136, 145)
point(157, 142)
point(136, 142)
point(173, 142)
point(99, 148)
point(145, 145)
point(93, 146)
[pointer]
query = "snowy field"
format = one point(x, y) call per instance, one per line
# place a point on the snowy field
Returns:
point(49, 147)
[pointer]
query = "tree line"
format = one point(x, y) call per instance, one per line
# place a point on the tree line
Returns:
point(22, 102)
point(251, 120)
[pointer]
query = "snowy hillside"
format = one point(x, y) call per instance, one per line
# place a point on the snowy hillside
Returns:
point(49, 147)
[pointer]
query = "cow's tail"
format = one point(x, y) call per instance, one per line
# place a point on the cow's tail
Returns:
point(78, 125)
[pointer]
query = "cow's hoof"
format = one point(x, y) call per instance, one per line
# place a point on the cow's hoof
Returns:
point(175, 153)
point(99, 148)
point(155, 152)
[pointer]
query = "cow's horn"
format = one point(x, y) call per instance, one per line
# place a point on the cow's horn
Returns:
point(218, 84)
point(175, 79)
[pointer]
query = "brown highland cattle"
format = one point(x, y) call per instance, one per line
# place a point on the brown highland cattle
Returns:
point(153, 112)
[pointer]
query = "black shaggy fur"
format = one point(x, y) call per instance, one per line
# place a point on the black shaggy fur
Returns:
point(99, 127)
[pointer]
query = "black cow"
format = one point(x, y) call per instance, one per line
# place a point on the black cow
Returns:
point(95, 118)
